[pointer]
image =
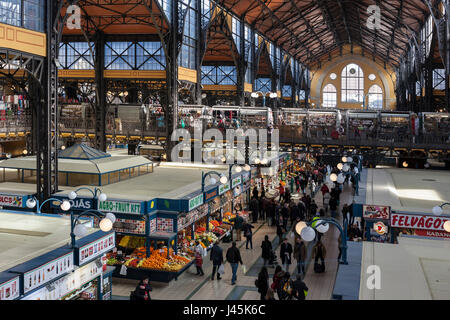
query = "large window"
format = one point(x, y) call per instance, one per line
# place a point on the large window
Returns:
point(146, 55)
point(119, 55)
point(26, 13)
point(302, 95)
point(439, 79)
point(187, 57)
point(352, 84)
point(76, 55)
point(375, 97)
point(248, 53)
point(426, 36)
point(150, 56)
point(329, 96)
point(236, 32)
point(263, 84)
point(219, 75)
point(287, 91)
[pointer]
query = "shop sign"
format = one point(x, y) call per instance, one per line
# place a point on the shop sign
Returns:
point(246, 177)
point(423, 222)
point(374, 212)
point(77, 204)
point(236, 181)
point(11, 201)
point(49, 292)
point(426, 233)
point(10, 289)
point(380, 228)
point(195, 202)
point(79, 277)
point(96, 248)
point(211, 194)
point(224, 188)
point(120, 207)
point(129, 226)
point(47, 272)
point(237, 191)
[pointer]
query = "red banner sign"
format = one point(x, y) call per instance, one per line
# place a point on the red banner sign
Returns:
point(399, 220)
point(376, 212)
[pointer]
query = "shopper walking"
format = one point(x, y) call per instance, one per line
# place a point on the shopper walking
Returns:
point(285, 254)
point(281, 191)
point(238, 222)
point(276, 280)
point(199, 258)
point(319, 252)
point(300, 289)
point(313, 208)
point(234, 257)
point(300, 255)
point(262, 283)
point(216, 257)
point(254, 208)
point(248, 234)
point(285, 215)
point(142, 291)
point(287, 287)
point(333, 207)
point(266, 247)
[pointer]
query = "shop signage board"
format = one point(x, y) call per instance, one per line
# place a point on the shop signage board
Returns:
point(211, 194)
point(12, 201)
point(236, 181)
point(76, 204)
point(375, 212)
point(246, 177)
point(224, 188)
point(426, 233)
point(120, 207)
point(9, 289)
point(129, 226)
point(79, 277)
point(423, 222)
point(195, 202)
point(96, 248)
point(49, 292)
point(47, 272)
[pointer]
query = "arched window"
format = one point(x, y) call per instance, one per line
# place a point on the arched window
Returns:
point(352, 84)
point(329, 96)
point(376, 97)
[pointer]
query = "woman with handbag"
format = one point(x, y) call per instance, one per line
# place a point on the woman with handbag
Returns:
point(199, 258)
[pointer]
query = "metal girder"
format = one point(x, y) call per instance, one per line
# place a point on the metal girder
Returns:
point(329, 20)
point(344, 18)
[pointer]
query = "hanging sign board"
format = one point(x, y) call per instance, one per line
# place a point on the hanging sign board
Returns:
point(195, 202)
point(224, 188)
point(375, 212)
point(11, 201)
point(423, 222)
point(211, 194)
point(236, 181)
point(9, 289)
point(120, 207)
point(96, 248)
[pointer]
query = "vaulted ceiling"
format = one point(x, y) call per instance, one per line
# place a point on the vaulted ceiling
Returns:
point(310, 30)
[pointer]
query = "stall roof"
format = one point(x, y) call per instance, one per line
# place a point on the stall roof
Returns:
point(171, 182)
point(26, 236)
point(95, 166)
point(410, 190)
point(15, 188)
point(80, 151)
point(413, 269)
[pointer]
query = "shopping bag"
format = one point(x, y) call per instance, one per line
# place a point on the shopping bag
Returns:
point(244, 268)
point(123, 270)
point(205, 252)
point(221, 269)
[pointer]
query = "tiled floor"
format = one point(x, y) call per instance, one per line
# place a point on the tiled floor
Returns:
point(192, 287)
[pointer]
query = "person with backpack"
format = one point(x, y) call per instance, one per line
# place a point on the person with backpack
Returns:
point(234, 257)
point(262, 283)
point(248, 234)
point(238, 221)
point(266, 250)
point(300, 290)
point(326, 201)
point(216, 257)
point(319, 252)
point(287, 287)
point(285, 254)
point(142, 291)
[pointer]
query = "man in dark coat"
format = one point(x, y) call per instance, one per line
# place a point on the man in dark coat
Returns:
point(234, 257)
point(142, 291)
point(216, 257)
point(300, 289)
point(285, 254)
point(333, 207)
point(266, 250)
point(238, 223)
point(254, 208)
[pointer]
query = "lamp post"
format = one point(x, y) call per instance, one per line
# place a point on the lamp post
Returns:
point(33, 202)
point(308, 230)
point(222, 178)
point(79, 230)
point(272, 95)
point(97, 194)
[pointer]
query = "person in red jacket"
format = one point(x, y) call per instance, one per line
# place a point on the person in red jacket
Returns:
point(324, 189)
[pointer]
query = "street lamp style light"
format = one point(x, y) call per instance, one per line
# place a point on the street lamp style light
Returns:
point(307, 231)
point(272, 95)
point(222, 178)
point(33, 202)
point(79, 230)
point(437, 210)
point(96, 194)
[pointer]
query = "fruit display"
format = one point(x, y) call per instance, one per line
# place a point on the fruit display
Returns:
point(131, 242)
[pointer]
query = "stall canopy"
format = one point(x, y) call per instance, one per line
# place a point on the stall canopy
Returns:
point(80, 165)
